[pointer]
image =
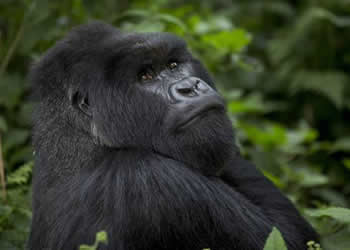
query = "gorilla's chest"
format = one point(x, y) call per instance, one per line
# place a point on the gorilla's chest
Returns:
point(149, 201)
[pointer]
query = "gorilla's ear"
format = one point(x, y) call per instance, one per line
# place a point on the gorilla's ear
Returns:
point(80, 101)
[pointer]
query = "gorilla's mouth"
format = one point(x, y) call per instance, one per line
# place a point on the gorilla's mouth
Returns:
point(196, 114)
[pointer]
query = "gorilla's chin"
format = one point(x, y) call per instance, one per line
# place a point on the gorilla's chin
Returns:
point(205, 144)
point(194, 119)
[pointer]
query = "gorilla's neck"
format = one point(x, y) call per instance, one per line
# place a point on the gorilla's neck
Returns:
point(63, 153)
point(62, 150)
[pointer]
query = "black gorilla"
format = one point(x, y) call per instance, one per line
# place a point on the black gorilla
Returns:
point(131, 137)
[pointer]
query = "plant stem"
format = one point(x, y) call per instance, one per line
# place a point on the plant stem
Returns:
point(2, 172)
point(12, 49)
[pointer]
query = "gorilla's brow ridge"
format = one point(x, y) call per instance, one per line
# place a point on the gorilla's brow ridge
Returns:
point(163, 43)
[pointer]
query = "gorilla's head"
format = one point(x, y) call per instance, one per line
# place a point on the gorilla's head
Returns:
point(137, 91)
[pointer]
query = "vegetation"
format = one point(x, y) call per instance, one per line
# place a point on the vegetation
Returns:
point(101, 237)
point(283, 66)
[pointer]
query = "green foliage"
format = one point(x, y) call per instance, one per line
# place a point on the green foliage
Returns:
point(311, 245)
point(340, 214)
point(282, 66)
point(228, 41)
point(101, 237)
point(14, 211)
point(21, 175)
point(275, 241)
point(329, 84)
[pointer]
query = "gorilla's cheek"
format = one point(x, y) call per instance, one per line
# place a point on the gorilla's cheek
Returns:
point(129, 121)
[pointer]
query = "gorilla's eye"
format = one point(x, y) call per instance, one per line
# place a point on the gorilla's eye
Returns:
point(146, 75)
point(172, 65)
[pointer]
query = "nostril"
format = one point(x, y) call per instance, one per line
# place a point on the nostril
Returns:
point(185, 91)
point(191, 87)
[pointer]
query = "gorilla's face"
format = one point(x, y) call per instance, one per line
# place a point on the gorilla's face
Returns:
point(146, 91)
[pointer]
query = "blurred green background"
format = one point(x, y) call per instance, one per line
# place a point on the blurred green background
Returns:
point(283, 66)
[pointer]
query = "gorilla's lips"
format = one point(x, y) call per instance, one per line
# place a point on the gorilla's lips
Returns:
point(193, 115)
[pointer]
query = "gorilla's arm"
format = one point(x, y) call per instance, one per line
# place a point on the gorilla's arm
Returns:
point(246, 179)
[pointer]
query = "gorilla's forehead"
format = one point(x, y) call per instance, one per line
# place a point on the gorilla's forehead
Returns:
point(156, 44)
point(156, 40)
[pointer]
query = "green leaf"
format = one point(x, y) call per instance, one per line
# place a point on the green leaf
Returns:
point(328, 84)
point(86, 247)
point(144, 26)
point(274, 179)
point(11, 90)
point(253, 103)
point(311, 178)
point(342, 145)
point(171, 19)
point(340, 21)
point(137, 13)
point(346, 162)
point(213, 24)
point(339, 240)
point(270, 136)
point(338, 213)
point(275, 241)
point(3, 124)
point(101, 237)
point(298, 138)
point(230, 41)
point(21, 175)
point(14, 138)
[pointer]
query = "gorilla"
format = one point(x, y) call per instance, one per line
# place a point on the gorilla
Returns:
point(132, 138)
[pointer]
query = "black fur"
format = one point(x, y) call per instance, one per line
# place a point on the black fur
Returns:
point(108, 158)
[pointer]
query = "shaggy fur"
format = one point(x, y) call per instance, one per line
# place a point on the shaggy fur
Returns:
point(109, 157)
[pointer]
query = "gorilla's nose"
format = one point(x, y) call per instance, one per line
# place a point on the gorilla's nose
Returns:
point(188, 88)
